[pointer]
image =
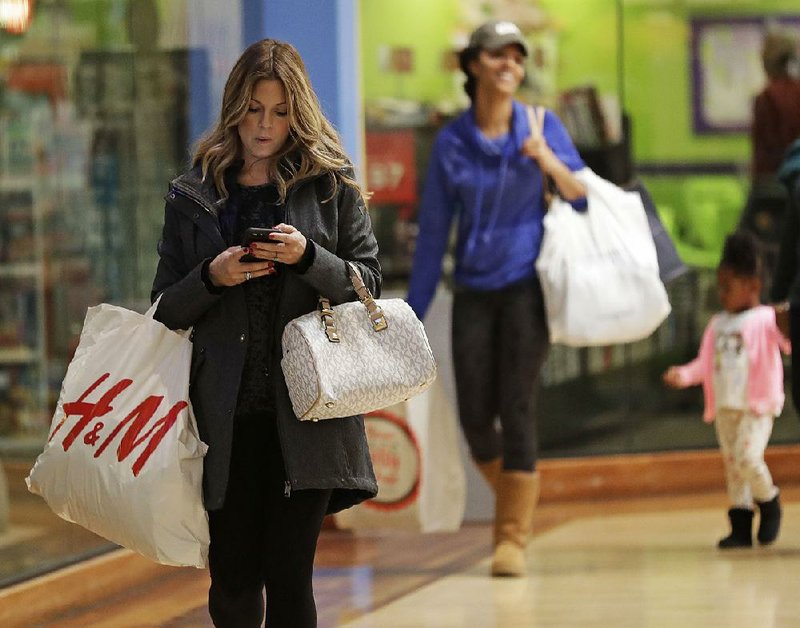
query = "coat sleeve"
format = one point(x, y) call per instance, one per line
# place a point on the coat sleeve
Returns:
point(184, 296)
point(786, 266)
point(763, 132)
point(329, 273)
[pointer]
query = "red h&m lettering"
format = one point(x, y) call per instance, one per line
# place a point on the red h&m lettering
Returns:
point(138, 419)
point(88, 410)
point(140, 416)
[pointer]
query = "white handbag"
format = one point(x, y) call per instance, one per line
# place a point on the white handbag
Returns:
point(355, 357)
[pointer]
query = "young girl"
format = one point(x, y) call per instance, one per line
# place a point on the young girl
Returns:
point(741, 370)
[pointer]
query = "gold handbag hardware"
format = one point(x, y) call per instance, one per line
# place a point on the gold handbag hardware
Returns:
point(374, 311)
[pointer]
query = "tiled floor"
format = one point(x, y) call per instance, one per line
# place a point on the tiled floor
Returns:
point(647, 562)
point(644, 569)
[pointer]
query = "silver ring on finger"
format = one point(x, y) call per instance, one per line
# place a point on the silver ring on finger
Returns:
point(247, 276)
point(275, 259)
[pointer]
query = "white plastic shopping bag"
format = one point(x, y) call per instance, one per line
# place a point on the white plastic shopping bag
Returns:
point(599, 270)
point(124, 458)
point(415, 454)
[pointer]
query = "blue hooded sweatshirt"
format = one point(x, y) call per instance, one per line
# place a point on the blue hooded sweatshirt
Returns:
point(496, 192)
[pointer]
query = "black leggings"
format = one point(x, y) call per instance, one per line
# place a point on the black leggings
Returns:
point(500, 341)
point(794, 333)
point(261, 539)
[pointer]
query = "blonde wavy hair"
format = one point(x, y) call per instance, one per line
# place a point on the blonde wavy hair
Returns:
point(313, 147)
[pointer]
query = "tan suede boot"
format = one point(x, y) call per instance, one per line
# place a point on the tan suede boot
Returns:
point(517, 496)
point(490, 471)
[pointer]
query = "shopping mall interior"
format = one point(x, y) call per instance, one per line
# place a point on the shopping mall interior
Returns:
point(101, 102)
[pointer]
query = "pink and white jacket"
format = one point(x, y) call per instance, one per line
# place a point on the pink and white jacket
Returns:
point(763, 342)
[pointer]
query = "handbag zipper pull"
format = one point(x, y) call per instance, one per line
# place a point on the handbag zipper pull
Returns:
point(287, 489)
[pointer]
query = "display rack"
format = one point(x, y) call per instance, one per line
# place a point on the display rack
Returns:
point(23, 334)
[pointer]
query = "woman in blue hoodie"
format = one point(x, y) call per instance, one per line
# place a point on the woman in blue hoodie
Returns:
point(488, 172)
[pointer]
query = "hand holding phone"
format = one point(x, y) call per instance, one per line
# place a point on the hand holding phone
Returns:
point(256, 234)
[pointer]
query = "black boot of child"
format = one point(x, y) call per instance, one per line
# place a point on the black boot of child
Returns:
point(741, 529)
point(770, 523)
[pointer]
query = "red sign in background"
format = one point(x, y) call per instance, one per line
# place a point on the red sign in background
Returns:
point(396, 458)
point(391, 167)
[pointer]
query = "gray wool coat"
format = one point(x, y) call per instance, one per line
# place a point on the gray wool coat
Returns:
point(326, 454)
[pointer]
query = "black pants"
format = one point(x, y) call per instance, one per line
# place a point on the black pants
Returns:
point(794, 336)
point(500, 341)
point(261, 539)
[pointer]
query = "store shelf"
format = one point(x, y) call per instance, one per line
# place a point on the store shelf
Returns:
point(16, 183)
point(17, 355)
point(23, 198)
point(22, 446)
point(19, 270)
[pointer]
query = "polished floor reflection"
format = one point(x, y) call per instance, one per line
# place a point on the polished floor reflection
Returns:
point(654, 570)
point(646, 562)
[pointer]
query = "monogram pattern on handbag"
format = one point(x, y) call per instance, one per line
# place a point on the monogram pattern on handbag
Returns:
point(365, 370)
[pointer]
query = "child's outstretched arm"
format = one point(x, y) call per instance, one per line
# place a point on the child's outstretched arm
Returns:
point(694, 372)
point(672, 378)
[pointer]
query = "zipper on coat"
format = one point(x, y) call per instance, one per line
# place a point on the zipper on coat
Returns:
point(287, 486)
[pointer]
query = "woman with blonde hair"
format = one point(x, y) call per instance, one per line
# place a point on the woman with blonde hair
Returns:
point(274, 162)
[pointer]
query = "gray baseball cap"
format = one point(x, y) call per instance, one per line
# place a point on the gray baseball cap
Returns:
point(496, 34)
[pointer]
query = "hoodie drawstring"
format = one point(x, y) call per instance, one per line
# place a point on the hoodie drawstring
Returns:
point(495, 210)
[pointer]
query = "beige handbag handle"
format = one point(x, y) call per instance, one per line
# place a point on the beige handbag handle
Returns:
point(374, 311)
point(536, 122)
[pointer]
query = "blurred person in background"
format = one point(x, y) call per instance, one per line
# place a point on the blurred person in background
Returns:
point(488, 173)
point(776, 109)
point(785, 290)
point(776, 124)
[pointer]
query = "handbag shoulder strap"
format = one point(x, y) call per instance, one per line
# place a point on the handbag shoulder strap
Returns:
point(536, 123)
point(376, 315)
point(536, 120)
point(358, 282)
point(375, 312)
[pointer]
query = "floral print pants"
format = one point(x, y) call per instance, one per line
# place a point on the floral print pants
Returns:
point(743, 438)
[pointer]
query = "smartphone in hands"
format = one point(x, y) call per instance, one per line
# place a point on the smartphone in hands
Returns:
point(256, 234)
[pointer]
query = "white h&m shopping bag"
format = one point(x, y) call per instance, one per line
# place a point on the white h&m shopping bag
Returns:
point(124, 458)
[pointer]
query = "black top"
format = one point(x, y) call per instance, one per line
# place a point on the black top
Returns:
point(256, 206)
point(321, 455)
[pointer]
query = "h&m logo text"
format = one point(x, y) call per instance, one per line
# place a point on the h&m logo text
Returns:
point(134, 424)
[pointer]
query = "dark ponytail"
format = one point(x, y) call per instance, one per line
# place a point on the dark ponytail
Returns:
point(465, 57)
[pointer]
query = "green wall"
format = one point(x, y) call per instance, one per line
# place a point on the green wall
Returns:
point(657, 79)
point(423, 25)
point(657, 90)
